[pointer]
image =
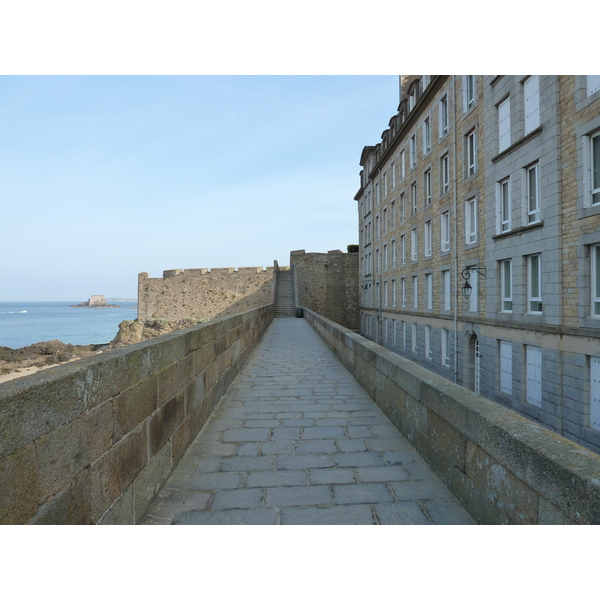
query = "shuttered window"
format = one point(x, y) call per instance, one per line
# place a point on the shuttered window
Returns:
point(534, 375)
point(504, 125)
point(531, 89)
point(595, 281)
point(593, 84)
point(595, 393)
point(506, 367)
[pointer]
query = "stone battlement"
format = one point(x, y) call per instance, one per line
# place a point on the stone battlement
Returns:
point(212, 272)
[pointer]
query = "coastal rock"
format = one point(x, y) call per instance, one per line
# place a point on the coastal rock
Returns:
point(132, 332)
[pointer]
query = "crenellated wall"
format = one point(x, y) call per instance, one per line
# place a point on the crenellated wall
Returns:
point(204, 294)
point(94, 441)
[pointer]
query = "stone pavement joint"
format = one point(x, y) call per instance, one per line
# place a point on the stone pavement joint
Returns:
point(296, 440)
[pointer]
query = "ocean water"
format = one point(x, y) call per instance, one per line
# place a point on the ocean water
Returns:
point(25, 323)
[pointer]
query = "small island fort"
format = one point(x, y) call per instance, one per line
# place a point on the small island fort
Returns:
point(95, 302)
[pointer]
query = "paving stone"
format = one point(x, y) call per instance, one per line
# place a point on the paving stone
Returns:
point(278, 447)
point(246, 435)
point(251, 516)
point(320, 433)
point(358, 432)
point(426, 489)
point(298, 496)
point(401, 513)
point(285, 433)
point(305, 461)
point(331, 422)
point(351, 445)
point(289, 415)
point(447, 512)
point(328, 515)
point(296, 422)
point(383, 474)
point(276, 479)
point(249, 449)
point(312, 446)
point(363, 493)
point(250, 463)
point(358, 459)
point(215, 481)
point(246, 498)
point(213, 449)
point(331, 476)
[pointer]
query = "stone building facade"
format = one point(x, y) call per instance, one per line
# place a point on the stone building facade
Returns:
point(494, 180)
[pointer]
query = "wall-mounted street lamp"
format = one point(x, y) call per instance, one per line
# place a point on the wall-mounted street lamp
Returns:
point(466, 275)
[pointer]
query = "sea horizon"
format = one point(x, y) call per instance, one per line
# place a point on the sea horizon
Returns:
point(23, 323)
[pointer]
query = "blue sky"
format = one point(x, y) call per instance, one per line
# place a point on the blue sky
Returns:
point(104, 177)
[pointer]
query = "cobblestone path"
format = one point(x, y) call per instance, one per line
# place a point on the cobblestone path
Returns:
point(296, 440)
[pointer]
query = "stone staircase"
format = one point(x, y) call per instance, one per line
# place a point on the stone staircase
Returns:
point(285, 307)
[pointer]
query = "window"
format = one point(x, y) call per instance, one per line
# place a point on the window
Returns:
point(426, 81)
point(428, 238)
point(402, 169)
point(395, 332)
point(413, 192)
point(402, 207)
point(506, 285)
point(377, 195)
point(403, 249)
point(503, 201)
point(385, 293)
point(403, 335)
point(504, 125)
point(427, 342)
point(534, 375)
point(414, 254)
point(534, 283)
point(393, 254)
point(595, 393)
point(474, 282)
point(377, 295)
point(506, 367)
point(427, 187)
point(384, 221)
point(377, 261)
point(385, 189)
point(393, 168)
point(595, 281)
point(429, 288)
point(469, 91)
point(532, 194)
point(415, 283)
point(385, 330)
point(393, 292)
point(403, 291)
point(471, 153)
point(445, 174)
point(591, 148)
point(412, 98)
point(470, 221)
point(444, 121)
point(593, 84)
point(531, 93)
point(414, 337)
point(445, 231)
point(385, 257)
point(447, 291)
point(393, 214)
point(413, 151)
point(445, 355)
point(426, 136)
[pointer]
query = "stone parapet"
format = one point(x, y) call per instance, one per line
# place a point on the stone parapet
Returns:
point(503, 467)
point(93, 441)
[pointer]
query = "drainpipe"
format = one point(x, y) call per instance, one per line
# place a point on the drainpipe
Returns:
point(455, 219)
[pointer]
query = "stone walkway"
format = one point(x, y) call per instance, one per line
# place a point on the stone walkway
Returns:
point(296, 440)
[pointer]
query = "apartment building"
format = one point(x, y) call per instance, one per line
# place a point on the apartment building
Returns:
point(479, 222)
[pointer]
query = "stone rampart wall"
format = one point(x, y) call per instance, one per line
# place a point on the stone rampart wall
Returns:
point(94, 441)
point(204, 294)
point(503, 468)
point(328, 284)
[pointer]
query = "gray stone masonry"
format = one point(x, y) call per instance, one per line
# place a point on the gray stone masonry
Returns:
point(295, 441)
